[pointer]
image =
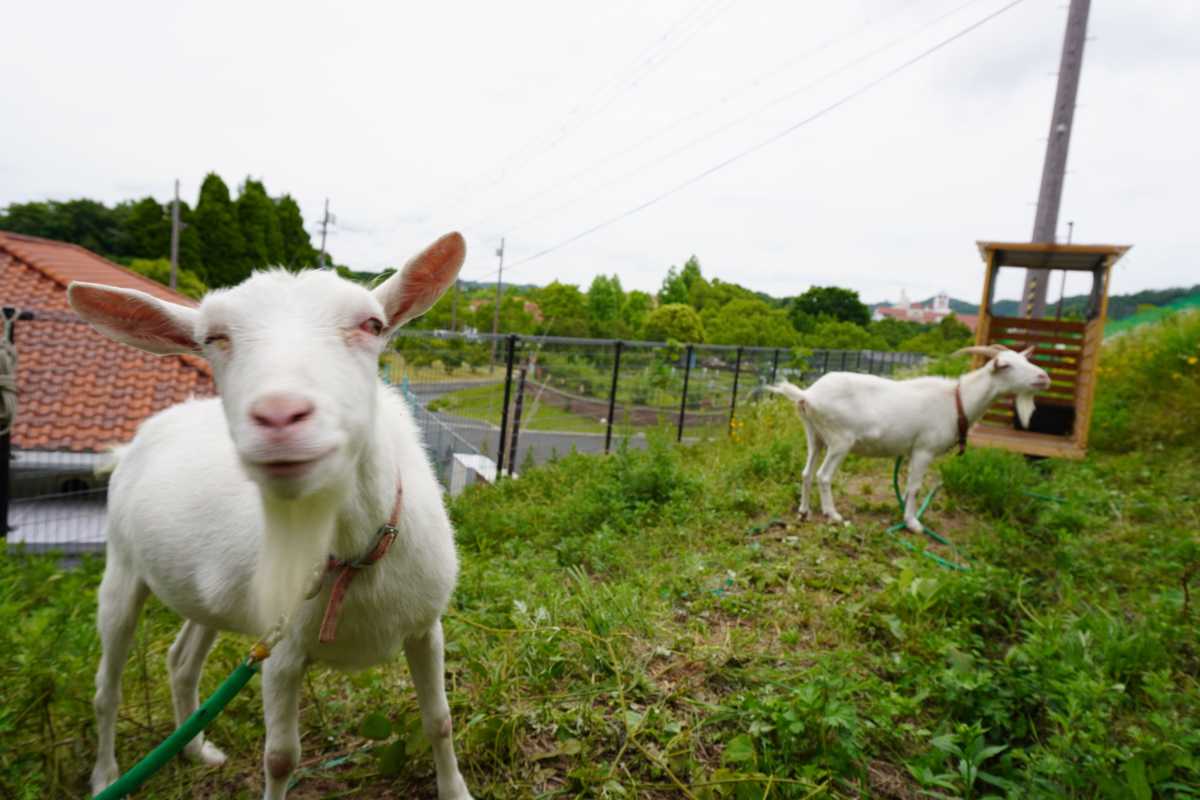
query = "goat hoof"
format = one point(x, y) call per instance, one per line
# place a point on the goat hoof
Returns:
point(104, 776)
point(803, 515)
point(915, 526)
point(207, 753)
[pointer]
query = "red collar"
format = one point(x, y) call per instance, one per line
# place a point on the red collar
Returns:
point(346, 570)
point(963, 424)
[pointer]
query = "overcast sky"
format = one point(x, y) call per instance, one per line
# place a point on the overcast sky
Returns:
point(540, 120)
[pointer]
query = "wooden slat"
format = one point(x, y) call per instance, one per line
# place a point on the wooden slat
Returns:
point(1021, 323)
point(1040, 338)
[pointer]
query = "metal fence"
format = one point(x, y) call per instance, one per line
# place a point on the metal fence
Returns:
point(487, 407)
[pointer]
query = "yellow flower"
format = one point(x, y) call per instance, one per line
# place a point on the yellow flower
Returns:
point(1192, 360)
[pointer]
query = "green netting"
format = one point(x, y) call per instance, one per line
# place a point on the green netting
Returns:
point(1151, 315)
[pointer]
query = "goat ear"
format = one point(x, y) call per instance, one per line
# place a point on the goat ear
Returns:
point(411, 291)
point(135, 318)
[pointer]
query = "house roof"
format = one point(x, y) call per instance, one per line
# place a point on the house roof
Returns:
point(79, 391)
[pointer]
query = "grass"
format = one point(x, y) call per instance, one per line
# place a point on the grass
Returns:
point(656, 624)
point(484, 403)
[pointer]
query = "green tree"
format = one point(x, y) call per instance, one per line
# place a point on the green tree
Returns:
point(222, 247)
point(833, 334)
point(945, 337)
point(634, 310)
point(564, 310)
point(677, 285)
point(145, 229)
point(159, 269)
point(604, 300)
point(674, 321)
point(298, 251)
point(829, 301)
point(514, 318)
point(895, 331)
point(259, 225)
point(750, 322)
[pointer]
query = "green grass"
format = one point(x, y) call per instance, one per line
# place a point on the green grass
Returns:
point(657, 624)
point(484, 403)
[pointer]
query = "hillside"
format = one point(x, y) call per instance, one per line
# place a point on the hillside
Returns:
point(658, 624)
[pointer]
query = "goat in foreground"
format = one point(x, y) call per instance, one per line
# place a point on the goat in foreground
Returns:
point(846, 412)
point(223, 507)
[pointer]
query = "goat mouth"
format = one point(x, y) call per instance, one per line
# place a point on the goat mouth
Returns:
point(290, 468)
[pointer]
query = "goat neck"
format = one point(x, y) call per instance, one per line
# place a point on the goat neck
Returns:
point(373, 494)
point(978, 391)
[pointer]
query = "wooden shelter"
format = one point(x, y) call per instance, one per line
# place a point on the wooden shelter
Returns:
point(1068, 349)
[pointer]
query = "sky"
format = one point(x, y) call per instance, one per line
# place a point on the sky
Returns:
point(601, 137)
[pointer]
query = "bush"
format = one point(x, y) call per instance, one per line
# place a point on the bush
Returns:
point(1149, 386)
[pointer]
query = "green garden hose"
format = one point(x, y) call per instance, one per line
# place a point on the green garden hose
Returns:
point(930, 532)
point(191, 727)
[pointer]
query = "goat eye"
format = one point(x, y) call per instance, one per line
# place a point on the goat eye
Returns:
point(372, 326)
point(216, 338)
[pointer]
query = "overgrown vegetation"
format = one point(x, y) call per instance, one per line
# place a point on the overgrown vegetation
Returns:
point(656, 624)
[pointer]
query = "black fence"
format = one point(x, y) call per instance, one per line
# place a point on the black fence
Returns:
point(487, 407)
point(517, 401)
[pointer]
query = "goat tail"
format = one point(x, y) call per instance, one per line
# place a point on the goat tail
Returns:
point(791, 392)
point(109, 460)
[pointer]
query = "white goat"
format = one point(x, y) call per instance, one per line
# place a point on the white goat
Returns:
point(921, 418)
point(223, 507)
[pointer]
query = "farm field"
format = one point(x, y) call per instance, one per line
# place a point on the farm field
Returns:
point(657, 624)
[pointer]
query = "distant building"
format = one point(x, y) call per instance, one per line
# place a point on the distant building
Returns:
point(931, 314)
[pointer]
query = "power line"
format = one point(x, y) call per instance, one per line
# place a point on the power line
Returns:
point(678, 121)
point(652, 163)
point(620, 84)
point(771, 139)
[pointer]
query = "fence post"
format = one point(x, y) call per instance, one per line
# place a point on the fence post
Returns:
point(512, 346)
point(612, 394)
point(774, 365)
point(11, 315)
point(516, 433)
point(737, 370)
point(687, 372)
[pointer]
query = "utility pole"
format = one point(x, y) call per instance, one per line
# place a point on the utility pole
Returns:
point(326, 221)
point(175, 237)
point(496, 310)
point(1054, 167)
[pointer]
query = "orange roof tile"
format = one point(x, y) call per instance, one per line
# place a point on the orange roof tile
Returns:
point(80, 391)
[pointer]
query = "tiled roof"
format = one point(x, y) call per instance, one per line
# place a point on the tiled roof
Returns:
point(78, 390)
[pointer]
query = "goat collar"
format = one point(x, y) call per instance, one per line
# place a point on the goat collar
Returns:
point(346, 570)
point(963, 424)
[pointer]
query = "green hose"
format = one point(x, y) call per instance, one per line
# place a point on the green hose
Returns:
point(930, 532)
point(191, 727)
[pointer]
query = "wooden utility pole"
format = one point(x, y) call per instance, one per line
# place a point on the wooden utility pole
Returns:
point(175, 237)
point(326, 220)
point(496, 310)
point(1054, 167)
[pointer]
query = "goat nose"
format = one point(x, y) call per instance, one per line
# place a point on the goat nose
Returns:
point(280, 411)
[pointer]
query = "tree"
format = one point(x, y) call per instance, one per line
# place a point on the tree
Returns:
point(677, 285)
point(259, 225)
point(222, 247)
point(298, 251)
point(832, 334)
point(564, 310)
point(750, 322)
point(895, 331)
point(604, 300)
point(159, 269)
point(945, 337)
point(830, 301)
point(145, 229)
point(634, 310)
point(674, 321)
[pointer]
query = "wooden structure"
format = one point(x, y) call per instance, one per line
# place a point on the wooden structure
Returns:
point(1068, 349)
